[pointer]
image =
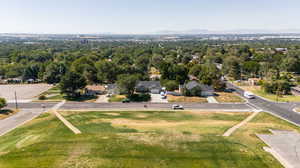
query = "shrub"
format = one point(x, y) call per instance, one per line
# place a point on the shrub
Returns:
point(282, 86)
point(42, 97)
point(2, 103)
point(140, 97)
point(260, 82)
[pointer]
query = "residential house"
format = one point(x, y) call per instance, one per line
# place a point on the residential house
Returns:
point(204, 90)
point(92, 90)
point(153, 87)
point(253, 81)
point(112, 89)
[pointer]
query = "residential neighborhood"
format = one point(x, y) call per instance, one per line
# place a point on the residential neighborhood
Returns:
point(149, 84)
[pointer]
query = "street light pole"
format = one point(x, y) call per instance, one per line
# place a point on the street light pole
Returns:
point(16, 100)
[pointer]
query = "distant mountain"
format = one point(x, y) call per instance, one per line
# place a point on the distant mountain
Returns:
point(235, 31)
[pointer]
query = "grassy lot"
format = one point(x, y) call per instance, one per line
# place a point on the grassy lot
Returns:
point(116, 98)
point(6, 113)
point(54, 94)
point(140, 139)
point(258, 91)
point(224, 97)
point(186, 99)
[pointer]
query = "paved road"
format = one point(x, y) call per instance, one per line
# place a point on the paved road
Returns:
point(18, 119)
point(31, 105)
point(283, 110)
point(81, 105)
point(165, 106)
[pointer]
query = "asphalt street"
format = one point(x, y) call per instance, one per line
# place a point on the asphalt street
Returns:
point(133, 106)
point(18, 119)
point(283, 110)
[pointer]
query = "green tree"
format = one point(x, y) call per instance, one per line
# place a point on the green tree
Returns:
point(54, 72)
point(126, 83)
point(106, 71)
point(2, 103)
point(72, 83)
point(86, 67)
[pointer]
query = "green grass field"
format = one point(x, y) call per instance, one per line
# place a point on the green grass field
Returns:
point(140, 139)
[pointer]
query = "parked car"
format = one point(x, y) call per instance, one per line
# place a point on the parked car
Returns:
point(177, 107)
point(163, 97)
point(229, 90)
point(249, 95)
point(126, 100)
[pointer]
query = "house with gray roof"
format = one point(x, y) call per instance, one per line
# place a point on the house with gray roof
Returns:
point(153, 87)
point(198, 89)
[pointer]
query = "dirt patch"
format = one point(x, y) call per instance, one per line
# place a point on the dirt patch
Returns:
point(171, 140)
point(141, 116)
point(112, 114)
point(172, 98)
point(132, 123)
point(225, 97)
point(213, 112)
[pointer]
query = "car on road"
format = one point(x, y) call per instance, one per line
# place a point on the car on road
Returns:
point(126, 100)
point(249, 95)
point(177, 107)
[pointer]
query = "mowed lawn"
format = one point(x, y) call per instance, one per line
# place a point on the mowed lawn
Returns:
point(140, 139)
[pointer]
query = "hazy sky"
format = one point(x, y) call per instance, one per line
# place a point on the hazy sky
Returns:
point(144, 16)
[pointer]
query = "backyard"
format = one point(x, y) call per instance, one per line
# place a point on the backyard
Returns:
point(140, 139)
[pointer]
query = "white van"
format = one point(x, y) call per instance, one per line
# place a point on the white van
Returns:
point(249, 95)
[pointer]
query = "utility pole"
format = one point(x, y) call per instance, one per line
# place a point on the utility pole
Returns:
point(16, 100)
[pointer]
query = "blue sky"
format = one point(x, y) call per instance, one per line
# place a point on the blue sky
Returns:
point(145, 16)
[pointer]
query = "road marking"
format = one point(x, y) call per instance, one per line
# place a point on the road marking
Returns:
point(234, 128)
point(254, 107)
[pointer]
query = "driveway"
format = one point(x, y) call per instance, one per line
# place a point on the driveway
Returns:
point(102, 99)
point(156, 98)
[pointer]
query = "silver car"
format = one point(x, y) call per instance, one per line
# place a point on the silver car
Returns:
point(177, 107)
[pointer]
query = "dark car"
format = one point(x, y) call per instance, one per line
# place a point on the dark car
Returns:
point(126, 100)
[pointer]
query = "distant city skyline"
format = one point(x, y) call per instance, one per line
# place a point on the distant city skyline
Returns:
point(149, 17)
